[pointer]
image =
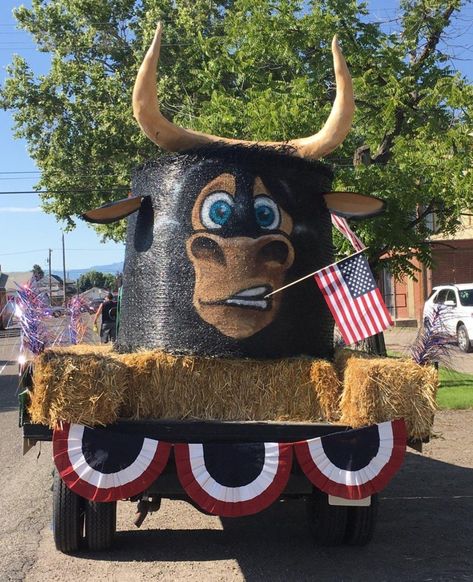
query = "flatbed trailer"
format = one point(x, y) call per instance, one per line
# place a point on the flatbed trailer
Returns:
point(80, 523)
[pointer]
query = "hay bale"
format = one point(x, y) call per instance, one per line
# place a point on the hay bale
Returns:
point(341, 357)
point(93, 385)
point(77, 384)
point(380, 389)
point(154, 383)
point(167, 386)
point(328, 388)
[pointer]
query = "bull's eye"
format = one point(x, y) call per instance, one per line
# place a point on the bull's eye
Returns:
point(267, 213)
point(217, 210)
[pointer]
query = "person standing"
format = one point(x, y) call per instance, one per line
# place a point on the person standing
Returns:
point(108, 328)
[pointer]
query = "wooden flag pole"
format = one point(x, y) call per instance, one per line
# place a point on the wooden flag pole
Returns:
point(291, 284)
point(310, 275)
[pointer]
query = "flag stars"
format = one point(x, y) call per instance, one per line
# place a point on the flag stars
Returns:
point(353, 298)
point(357, 276)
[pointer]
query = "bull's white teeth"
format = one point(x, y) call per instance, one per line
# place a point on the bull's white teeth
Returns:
point(247, 303)
point(252, 292)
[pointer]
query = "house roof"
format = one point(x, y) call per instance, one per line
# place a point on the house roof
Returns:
point(94, 291)
point(55, 281)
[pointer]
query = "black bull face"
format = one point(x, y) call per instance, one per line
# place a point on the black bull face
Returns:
point(216, 231)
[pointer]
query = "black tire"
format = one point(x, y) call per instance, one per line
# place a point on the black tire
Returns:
point(100, 525)
point(463, 339)
point(361, 523)
point(68, 517)
point(327, 523)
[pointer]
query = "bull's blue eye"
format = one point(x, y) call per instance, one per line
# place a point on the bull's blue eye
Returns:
point(267, 213)
point(216, 210)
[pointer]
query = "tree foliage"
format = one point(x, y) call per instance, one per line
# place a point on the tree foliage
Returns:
point(38, 272)
point(97, 279)
point(254, 69)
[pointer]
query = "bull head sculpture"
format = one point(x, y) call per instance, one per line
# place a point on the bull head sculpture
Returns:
point(224, 222)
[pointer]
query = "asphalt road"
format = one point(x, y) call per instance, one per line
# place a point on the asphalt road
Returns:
point(424, 532)
point(401, 339)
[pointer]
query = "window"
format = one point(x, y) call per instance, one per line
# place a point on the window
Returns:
point(442, 295)
point(451, 296)
point(466, 297)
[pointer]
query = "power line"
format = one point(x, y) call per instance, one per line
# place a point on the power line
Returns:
point(72, 191)
point(23, 252)
point(45, 250)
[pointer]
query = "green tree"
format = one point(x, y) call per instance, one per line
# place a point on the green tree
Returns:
point(38, 272)
point(254, 69)
point(96, 279)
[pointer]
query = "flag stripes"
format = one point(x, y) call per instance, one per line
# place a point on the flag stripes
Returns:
point(341, 224)
point(357, 318)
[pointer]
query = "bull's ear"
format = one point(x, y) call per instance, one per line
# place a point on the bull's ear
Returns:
point(113, 211)
point(353, 204)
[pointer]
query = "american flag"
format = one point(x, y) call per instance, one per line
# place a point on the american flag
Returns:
point(353, 298)
point(341, 224)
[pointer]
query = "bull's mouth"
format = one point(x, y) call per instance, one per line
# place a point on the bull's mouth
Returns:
point(250, 298)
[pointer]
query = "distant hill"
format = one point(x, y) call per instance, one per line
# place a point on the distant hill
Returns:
point(74, 274)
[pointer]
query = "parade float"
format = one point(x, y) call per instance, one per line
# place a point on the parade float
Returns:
point(224, 388)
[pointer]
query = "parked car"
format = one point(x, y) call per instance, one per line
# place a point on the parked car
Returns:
point(54, 311)
point(456, 304)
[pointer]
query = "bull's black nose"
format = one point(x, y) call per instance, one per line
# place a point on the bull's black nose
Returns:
point(275, 251)
point(207, 249)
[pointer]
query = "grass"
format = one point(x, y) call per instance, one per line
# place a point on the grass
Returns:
point(456, 390)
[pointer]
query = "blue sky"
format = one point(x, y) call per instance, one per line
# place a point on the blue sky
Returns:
point(26, 233)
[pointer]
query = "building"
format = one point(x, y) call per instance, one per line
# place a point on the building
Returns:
point(95, 293)
point(453, 263)
point(54, 291)
point(9, 283)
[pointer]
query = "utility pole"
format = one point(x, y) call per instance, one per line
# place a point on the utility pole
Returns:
point(50, 286)
point(64, 270)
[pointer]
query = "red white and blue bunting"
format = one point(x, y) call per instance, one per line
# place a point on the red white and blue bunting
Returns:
point(233, 480)
point(106, 466)
point(228, 479)
point(354, 464)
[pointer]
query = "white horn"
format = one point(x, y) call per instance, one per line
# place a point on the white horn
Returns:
point(338, 124)
point(174, 138)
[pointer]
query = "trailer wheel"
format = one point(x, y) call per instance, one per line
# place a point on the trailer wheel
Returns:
point(327, 523)
point(100, 525)
point(68, 516)
point(361, 523)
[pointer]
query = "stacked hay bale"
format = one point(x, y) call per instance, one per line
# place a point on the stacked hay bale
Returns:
point(77, 384)
point(380, 389)
point(166, 386)
point(95, 386)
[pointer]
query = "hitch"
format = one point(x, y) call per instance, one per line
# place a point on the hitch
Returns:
point(148, 503)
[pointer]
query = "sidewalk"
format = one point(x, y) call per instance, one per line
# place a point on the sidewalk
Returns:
point(400, 339)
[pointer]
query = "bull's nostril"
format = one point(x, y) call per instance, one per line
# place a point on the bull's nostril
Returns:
point(275, 251)
point(206, 249)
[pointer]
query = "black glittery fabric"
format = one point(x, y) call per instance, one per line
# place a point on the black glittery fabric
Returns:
point(157, 309)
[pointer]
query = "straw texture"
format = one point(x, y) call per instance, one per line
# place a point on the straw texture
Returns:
point(93, 385)
point(71, 385)
point(380, 389)
point(77, 385)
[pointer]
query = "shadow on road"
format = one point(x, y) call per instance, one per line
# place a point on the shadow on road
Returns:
point(424, 527)
point(8, 385)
